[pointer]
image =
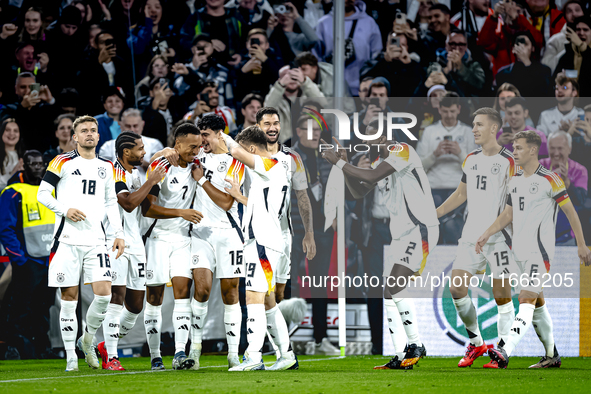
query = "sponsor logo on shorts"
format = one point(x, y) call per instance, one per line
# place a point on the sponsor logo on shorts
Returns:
point(102, 172)
point(114, 275)
point(60, 278)
point(149, 274)
point(195, 260)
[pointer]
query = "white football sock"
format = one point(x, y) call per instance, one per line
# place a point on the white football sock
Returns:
point(467, 313)
point(406, 308)
point(256, 328)
point(153, 325)
point(397, 331)
point(278, 330)
point(111, 329)
point(94, 316)
point(506, 315)
point(127, 322)
point(233, 324)
point(69, 327)
point(542, 322)
point(181, 320)
point(521, 324)
point(199, 313)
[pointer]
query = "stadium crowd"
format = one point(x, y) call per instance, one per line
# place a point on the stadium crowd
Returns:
point(148, 65)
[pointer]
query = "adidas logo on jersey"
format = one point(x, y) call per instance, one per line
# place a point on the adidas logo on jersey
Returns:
point(184, 327)
point(474, 167)
point(248, 283)
point(108, 273)
point(68, 328)
point(174, 180)
point(514, 190)
point(77, 172)
point(152, 331)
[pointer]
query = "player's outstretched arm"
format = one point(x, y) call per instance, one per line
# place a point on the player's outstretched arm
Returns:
point(130, 201)
point(151, 210)
point(305, 208)
point(238, 152)
point(169, 154)
point(504, 219)
point(457, 198)
point(221, 199)
point(571, 214)
point(234, 191)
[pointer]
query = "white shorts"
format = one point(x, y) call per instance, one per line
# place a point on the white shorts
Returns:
point(129, 270)
point(219, 250)
point(68, 262)
point(532, 271)
point(261, 263)
point(412, 249)
point(498, 256)
point(167, 260)
point(284, 264)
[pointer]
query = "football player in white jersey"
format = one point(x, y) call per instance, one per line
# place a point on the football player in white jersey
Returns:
point(129, 271)
point(487, 172)
point(168, 245)
point(535, 194)
point(216, 242)
point(414, 228)
point(85, 192)
point(264, 246)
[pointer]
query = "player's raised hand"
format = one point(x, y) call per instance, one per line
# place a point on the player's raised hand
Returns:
point(481, 242)
point(119, 245)
point(329, 154)
point(342, 153)
point(309, 245)
point(75, 215)
point(171, 155)
point(191, 215)
point(156, 175)
point(197, 171)
point(584, 254)
point(234, 191)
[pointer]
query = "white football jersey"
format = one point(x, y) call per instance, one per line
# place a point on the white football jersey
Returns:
point(217, 169)
point(175, 191)
point(266, 203)
point(535, 201)
point(487, 182)
point(87, 185)
point(128, 182)
point(151, 146)
point(296, 176)
point(409, 201)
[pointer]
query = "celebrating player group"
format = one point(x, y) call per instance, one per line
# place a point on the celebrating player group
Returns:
point(129, 237)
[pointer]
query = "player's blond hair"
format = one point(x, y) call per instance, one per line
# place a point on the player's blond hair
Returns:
point(531, 138)
point(83, 119)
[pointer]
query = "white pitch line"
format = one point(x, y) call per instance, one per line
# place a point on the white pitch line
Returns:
point(142, 372)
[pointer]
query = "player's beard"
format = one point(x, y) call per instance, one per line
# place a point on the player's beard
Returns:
point(136, 162)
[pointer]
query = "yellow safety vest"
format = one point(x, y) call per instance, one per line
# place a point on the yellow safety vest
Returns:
point(38, 220)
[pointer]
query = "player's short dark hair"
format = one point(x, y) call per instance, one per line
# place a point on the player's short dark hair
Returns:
point(441, 7)
point(184, 129)
point(306, 58)
point(125, 140)
point(492, 114)
point(531, 138)
point(253, 135)
point(450, 98)
point(249, 98)
point(512, 102)
point(212, 122)
point(266, 111)
point(83, 119)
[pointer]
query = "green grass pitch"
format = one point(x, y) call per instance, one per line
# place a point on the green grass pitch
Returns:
point(316, 375)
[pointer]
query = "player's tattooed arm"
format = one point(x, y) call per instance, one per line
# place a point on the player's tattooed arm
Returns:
point(130, 201)
point(575, 223)
point(234, 191)
point(151, 210)
point(221, 199)
point(456, 199)
point(305, 208)
point(504, 219)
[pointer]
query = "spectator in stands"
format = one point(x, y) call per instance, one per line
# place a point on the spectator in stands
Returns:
point(364, 85)
point(63, 134)
point(252, 14)
point(578, 54)
point(561, 116)
point(108, 123)
point(555, 46)
point(26, 229)
point(208, 100)
point(516, 114)
point(544, 17)
point(29, 60)
point(317, 174)
point(219, 22)
point(478, 10)
point(131, 120)
point(251, 103)
point(580, 132)
point(363, 33)
point(439, 29)
point(164, 109)
point(531, 77)
point(396, 64)
point(465, 72)
point(292, 84)
point(443, 147)
point(418, 11)
point(104, 71)
point(260, 67)
point(291, 43)
point(507, 18)
point(159, 68)
point(67, 101)
point(319, 72)
point(33, 30)
point(574, 175)
point(11, 151)
point(204, 66)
